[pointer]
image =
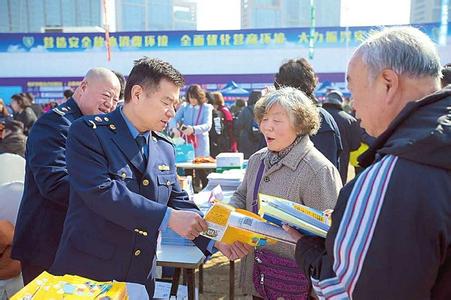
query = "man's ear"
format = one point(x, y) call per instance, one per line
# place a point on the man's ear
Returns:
point(136, 92)
point(391, 84)
point(83, 86)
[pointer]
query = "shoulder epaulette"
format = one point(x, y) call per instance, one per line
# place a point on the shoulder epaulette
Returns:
point(95, 121)
point(62, 109)
point(159, 135)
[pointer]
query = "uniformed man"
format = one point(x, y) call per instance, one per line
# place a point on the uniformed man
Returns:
point(124, 188)
point(46, 194)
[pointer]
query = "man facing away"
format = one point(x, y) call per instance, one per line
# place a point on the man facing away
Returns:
point(46, 194)
point(299, 74)
point(350, 131)
point(391, 228)
point(124, 187)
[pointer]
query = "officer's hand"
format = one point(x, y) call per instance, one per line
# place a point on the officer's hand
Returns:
point(235, 251)
point(187, 224)
point(293, 232)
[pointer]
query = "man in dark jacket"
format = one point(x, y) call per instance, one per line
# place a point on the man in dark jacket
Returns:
point(350, 131)
point(37, 109)
point(391, 228)
point(13, 140)
point(300, 75)
point(46, 195)
point(250, 138)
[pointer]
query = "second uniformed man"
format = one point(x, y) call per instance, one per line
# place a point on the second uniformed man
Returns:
point(46, 193)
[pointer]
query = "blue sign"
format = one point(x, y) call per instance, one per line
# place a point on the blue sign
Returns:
point(325, 37)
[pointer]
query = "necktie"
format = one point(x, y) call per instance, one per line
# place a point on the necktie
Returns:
point(142, 144)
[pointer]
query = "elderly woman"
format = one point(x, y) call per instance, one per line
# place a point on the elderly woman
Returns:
point(291, 168)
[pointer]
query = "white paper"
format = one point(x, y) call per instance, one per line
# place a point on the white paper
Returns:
point(261, 227)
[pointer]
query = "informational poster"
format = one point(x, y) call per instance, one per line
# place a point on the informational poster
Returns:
point(322, 37)
point(43, 89)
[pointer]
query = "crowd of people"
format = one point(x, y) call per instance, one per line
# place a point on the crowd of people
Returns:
point(101, 184)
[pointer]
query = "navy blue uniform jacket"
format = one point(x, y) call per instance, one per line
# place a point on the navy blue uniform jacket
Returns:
point(117, 203)
point(46, 195)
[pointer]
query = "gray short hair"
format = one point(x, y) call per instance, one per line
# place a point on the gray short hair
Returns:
point(405, 50)
point(302, 112)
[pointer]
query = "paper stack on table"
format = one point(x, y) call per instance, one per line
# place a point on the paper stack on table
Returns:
point(229, 179)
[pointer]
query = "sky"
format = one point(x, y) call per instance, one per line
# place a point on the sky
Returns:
point(225, 14)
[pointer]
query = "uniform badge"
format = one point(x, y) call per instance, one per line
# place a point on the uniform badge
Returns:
point(112, 127)
point(163, 168)
point(61, 113)
point(93, 125)
point(98, 119)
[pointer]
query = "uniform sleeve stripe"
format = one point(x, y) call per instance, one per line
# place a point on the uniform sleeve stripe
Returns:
point(356, 230)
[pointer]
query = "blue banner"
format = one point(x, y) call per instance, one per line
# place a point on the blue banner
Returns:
point(325, 37)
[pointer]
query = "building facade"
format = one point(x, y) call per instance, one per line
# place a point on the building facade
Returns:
point(288, 13)
point(36, 15)
point(427, 11)
point(89, 15)
point(151, 15)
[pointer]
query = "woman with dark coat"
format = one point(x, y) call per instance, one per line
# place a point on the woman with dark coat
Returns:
point(23, 112)
point(250, 139)
point(4, 115)
point(13, 139)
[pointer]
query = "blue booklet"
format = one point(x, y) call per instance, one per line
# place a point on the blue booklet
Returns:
point(306, 220)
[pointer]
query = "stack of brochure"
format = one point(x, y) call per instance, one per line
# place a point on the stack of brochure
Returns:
point(228, 225)
point(70, 287)
point(229, 179)
point(306, 220)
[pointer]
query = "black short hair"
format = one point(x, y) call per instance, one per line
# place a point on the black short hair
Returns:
point(21, 100)
point(68, 93)
point(148, 73)
point(254, 97)
point(446, 72)
point(14, 126)
point(298, 74)
point(121, 79)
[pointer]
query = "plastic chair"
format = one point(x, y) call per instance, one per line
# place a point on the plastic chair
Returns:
point(12, 168)
point(10, 197)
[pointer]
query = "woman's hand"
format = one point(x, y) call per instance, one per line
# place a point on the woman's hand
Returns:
point(175, 132)
point(235, 251)
point(293, 232)
point(188, 130)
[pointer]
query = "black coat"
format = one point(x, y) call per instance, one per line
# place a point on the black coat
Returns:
point(27, 117)
point(350, 134)
point(249, 140)
point(14, 143)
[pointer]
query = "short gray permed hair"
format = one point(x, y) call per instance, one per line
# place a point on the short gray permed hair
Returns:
point(302, 112)
point(405, 50)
